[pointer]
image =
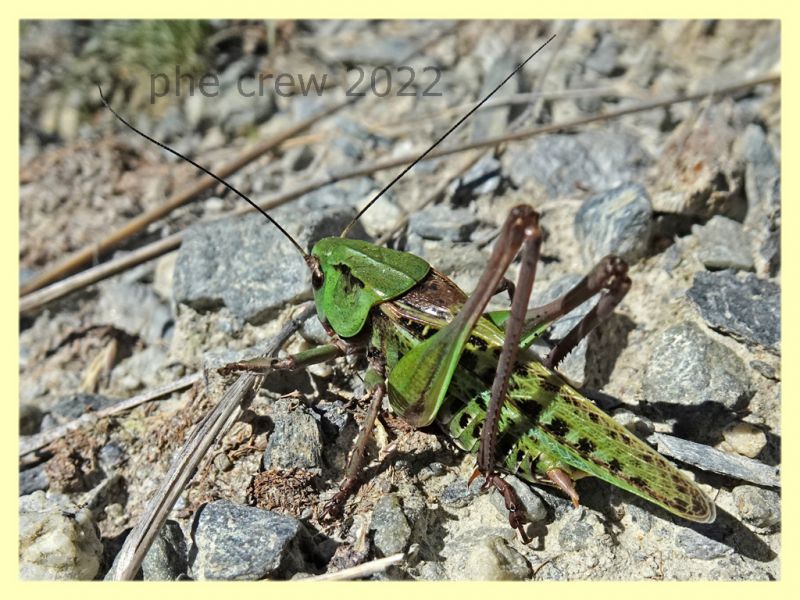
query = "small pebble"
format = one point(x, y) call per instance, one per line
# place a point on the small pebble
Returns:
point(57, 539)
point(487, 559)
point(758, 507)
point(295, 441)
point(723, 244)
point(392, 532)
point(745, 439)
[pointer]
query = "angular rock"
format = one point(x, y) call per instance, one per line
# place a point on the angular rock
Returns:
point(379, 50)
point(392, 532)
point(73, 406)
point(295, 441)
point(696, 545)
point(483, 178)
point(746, 307)
point(763, 188)
point(697, 173)
point(723, 244)
point(33, 479)
point(167, 558)
point(636, 424)
point(689, 368)
point(603, 59)
point(563, 165)
point(247, 265)
point(459, 494)
point(111, 456)
point(758, 507)
point(491, 123)
point(441, 222)
point(618, 221)
point(235, 542)
point(487, 559)
point(716, 461)
point(57, 539)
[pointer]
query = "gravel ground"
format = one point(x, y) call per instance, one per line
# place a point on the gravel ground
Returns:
point(688, 193)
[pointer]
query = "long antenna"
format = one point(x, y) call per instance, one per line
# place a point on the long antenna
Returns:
point(437, 142)
point(206, 171)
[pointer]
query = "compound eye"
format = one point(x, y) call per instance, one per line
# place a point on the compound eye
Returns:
point(317, 278)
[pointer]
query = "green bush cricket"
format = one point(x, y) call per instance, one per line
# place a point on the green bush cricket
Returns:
point(439, 357)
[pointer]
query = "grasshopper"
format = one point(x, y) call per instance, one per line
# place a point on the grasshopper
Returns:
point(439, 357)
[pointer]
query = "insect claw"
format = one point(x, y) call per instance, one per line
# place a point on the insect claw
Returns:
point(474, 476)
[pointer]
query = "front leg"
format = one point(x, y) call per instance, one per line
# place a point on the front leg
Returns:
point(355, 465)
point(264, 365)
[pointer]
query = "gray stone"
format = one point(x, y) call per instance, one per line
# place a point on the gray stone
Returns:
point(747, 307)
point(758, 507)
point(459, 494)
point(688, 368)
point(313, 332)
point(73, 406)
point(494, 122)
point(483, 178)
point(486, 559)
point(135, 308)
point(295, 440)
point(236, 542)
point(33, 479)
point(765, 369)
point(392, 532)
point(696, 545)
point(763, 188)
point(442, 222)
point(167, 558)
point(57, 539)
point(581, 530)
point(435, 469)
point(619, 221)
point(636, 424)
point(716, 461)
point(562, 165)
point(249, 266)
point(379, 50)
point(723, 244)
point(111, 456)
point(603, 59)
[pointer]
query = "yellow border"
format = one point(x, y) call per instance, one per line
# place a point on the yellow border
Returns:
point(539, 10)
